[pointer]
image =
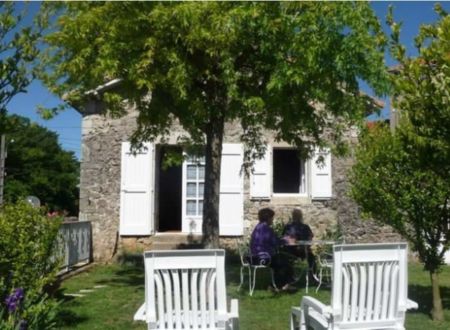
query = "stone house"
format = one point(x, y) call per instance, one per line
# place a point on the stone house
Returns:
point(133, 202)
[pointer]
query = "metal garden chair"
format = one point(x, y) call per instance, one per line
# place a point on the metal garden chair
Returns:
point(252, 265)
point(325, 266)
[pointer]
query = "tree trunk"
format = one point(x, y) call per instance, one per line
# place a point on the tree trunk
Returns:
point(214, 138)
point(437, 313)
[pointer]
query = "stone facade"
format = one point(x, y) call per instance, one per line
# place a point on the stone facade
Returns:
point(100, 191)
point(100, 178)
point(353, 228)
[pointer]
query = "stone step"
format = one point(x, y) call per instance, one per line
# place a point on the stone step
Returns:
point(176, 238)
point(174, 246)
point(175, 241)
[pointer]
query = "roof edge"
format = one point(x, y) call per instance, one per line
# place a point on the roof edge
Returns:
point(91, 95)
point(105, 87)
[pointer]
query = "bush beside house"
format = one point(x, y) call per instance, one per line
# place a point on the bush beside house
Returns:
point(28, 267)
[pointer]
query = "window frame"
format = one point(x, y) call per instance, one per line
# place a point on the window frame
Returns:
point(185, 181)
point(304, 176)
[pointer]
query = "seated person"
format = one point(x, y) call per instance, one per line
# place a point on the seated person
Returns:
point(297, 230)
point(264, 245)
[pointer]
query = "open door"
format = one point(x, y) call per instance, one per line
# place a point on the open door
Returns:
point(169, 192)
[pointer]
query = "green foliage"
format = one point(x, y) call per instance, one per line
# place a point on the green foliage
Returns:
point(392, 184)
point(34, 314)
point(18, 50)
point(27, 262)
point(27, 245)
point(37, 165)
point(278, 226)
point(333, 233)
point(422, 87)
point(263, 64)
point(402, 178)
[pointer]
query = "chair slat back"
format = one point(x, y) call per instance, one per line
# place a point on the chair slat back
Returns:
point(185, 289)
point(369, 284)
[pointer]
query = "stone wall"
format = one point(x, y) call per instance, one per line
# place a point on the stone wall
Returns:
point(354, 229)
point(318, 215)
point(100, 191)
point(100, 178)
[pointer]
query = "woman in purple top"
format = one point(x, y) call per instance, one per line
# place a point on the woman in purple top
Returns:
point(264, 240)
point(264, 246)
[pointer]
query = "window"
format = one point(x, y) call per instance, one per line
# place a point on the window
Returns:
point(195, 183)
point(288, 172)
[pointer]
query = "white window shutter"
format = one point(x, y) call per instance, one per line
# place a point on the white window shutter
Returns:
point(260, 183)
point(231, 209)
point(136, 191)
point(321, 175)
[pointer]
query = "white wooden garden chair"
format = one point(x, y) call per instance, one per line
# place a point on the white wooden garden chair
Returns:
point(185, 289)
point(369, 290)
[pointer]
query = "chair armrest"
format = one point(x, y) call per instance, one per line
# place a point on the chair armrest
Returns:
point(321, 308)
point(140, 314)
point(297, 311)
point(410, 304)
point(297, 318)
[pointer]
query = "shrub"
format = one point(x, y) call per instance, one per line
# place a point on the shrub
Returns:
point(278, 226)
point(28, 265)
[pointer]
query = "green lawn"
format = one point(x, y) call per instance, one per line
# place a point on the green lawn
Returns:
point(113, 306)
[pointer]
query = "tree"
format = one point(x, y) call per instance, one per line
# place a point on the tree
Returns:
point(37, 165)
point(18, 50)
point(402, 179)
point(394, 185)
point(421, 88)
point(285, 67)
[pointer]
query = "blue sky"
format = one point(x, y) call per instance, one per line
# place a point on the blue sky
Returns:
point(68, 123)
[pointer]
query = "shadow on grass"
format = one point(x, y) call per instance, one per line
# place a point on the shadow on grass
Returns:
point(423, 295)
point(67, 318)
point(232, 267)
point(130, 274)
point(131, 260)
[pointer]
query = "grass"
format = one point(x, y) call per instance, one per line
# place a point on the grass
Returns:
point(113, 306)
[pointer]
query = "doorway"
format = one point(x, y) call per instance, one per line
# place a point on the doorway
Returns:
point(170, 191)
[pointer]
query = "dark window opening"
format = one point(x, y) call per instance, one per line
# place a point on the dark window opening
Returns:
point(287, 172)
